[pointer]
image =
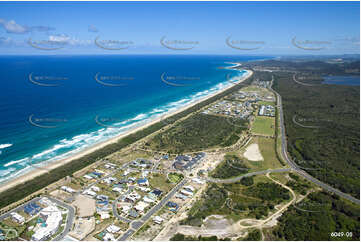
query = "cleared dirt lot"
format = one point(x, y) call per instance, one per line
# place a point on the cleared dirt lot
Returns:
point(82, 228)
point(253, 153)
point(85, 206)
point(60, 195)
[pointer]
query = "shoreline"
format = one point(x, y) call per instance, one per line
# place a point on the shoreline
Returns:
point(52, 165)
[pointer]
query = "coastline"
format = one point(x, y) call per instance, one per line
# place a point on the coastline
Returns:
point(44, 169)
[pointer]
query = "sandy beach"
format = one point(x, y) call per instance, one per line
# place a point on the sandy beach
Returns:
point(37, 172)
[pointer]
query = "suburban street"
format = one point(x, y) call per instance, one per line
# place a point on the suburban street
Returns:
point(19, 208)
point(69, 221)
point(135, 225)
point(114, 206)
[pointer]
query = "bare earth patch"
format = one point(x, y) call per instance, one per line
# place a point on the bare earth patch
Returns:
point(85, 206)
point(253, 153)
point(82, 228)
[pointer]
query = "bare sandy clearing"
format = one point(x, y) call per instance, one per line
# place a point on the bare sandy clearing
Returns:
point(85, 206)
point(82, 228)
point(253, 153)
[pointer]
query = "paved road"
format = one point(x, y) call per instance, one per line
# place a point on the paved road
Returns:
point(114, 205)
point(295, 167)
point(236, 179)
point(19, 208)
point(69, 221)
point(135, 225)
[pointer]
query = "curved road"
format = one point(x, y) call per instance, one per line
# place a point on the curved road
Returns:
point(69, 220)
point(295, 167)
point(114, 206)
point(236, 179)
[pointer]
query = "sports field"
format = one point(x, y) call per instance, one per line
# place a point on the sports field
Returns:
point(263, 126)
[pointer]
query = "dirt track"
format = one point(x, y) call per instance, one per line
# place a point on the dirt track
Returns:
point(221, 227)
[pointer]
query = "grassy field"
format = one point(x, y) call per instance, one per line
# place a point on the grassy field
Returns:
point(161, 182)
point(255, 89)
point(263, 126)
point(267, 149)
point(265, 103)
point(281, 177)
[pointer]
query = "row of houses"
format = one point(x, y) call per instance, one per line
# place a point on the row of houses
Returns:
point(140, 205)
point(185, 193)
point(141, 163)
point(187, 162)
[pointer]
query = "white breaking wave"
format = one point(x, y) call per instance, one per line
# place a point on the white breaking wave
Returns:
point(16, 162)
point(3, 146)
point(79, 142)
point(139, 116)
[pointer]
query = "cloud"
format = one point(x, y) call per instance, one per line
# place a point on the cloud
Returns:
point(61, 38)
point(5, 40)
point(42, 28)
point(92, 28)
point(14, 28)
point(66, 39)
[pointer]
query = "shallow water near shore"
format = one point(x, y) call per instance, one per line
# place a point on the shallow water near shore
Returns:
point(55, 106)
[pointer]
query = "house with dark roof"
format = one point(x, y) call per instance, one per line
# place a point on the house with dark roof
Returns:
point(172, 206)
point(32, 208)
point(157, 192)
point(186, 162)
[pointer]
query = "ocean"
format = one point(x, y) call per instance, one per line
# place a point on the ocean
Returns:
point(54, 106)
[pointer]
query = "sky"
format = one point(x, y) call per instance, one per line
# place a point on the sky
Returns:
point(239, 28)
